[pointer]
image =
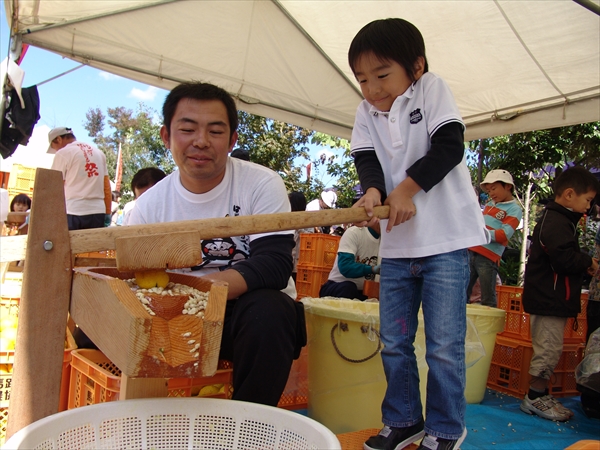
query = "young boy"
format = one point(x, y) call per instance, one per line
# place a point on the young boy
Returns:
point(408, 149)
point(502, 217)
point(553, 279)
point(143, 180)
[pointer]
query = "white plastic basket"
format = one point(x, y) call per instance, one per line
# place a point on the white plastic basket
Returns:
point(174, 423)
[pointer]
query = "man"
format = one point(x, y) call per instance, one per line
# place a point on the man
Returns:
point(87, 186)
point(327, 200)
point(261, 319)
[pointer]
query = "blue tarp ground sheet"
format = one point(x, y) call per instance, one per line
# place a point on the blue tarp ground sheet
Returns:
point(498, 423)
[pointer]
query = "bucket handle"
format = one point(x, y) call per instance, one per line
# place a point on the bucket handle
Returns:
point(364, 329)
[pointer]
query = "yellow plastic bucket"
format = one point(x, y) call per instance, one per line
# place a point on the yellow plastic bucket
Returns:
point(344, 395)
point(346, 382)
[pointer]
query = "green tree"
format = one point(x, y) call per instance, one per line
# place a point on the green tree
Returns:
point(279, 146)
point(342, 168)
point(139, 136)
point(541, 154)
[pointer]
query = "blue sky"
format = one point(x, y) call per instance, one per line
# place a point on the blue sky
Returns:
point(66, 100)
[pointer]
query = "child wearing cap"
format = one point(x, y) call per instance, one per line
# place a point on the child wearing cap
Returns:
point(502, 216)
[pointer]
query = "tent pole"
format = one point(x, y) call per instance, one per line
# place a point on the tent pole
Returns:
point(588, 4)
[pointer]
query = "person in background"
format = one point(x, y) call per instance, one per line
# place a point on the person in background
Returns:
point(553, 280)
point(297, 203)
point(87, 189)
point(264, 328)
point(590, 399)
point(240, 154)
point(407, 144)
point(356, 261)
point(20, 203)
point(326, 200)
point(87, 186)
point(502, 216)
point(143, 180)
point(115, 209)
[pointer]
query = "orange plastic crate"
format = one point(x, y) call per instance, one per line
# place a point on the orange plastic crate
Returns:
point(7, 359)
point(3, 423)
point(295, 393)
point(517, 325)
point(317, 250)
point(509, 370)
point(309, 281)
point(95, 379)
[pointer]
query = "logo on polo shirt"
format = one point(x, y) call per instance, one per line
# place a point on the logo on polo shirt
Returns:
point(500, 215)
point(416, 116)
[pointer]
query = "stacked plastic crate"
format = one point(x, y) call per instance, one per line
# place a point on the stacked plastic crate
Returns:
point(316, 258)
point(21, 180)
point(509, 371)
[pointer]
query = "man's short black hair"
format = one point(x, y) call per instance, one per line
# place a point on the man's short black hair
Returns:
point(199, 91)
point(577, 178)
point(389, 40)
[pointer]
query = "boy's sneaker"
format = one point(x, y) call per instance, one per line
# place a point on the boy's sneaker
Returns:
point(436, 443)
point(392, 438)
point(545, 407)
point(558, 405)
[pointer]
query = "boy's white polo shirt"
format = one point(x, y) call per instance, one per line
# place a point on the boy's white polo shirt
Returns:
point(448, 216)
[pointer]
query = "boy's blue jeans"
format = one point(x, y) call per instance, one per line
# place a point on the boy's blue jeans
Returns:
point(440, 283)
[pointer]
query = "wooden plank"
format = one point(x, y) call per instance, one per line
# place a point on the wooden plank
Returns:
point(159, 251)
point(105, 238)
point(43, 309)
point(13, 248)
point(109, 314)
point(169, 344)
point(143, 388)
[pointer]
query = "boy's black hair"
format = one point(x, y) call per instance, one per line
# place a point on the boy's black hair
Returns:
point(20, 198)
point(389, 39)
point(148, 176)
point(297, 201)
point(199, 91)
point(577, 178)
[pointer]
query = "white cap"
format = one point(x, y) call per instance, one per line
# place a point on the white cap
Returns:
point(54, 133)
point(498, 175)
point(329, 198)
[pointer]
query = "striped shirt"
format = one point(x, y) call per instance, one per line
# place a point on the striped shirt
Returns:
point(501, 220)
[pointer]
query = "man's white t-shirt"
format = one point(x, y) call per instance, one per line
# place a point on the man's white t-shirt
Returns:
point(448, 216)
point(83, 168)
point(246, 189)
point(363, 245)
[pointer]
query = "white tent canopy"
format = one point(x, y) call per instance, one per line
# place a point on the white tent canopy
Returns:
point(513, 66)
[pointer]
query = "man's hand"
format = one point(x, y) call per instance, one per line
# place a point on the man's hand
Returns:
point(369, 200)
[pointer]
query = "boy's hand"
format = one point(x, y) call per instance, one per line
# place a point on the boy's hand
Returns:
point(400, 201)
point(593, 268)
point(369, 200)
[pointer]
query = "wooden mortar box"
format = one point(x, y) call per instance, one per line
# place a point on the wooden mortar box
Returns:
point(143, 345)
